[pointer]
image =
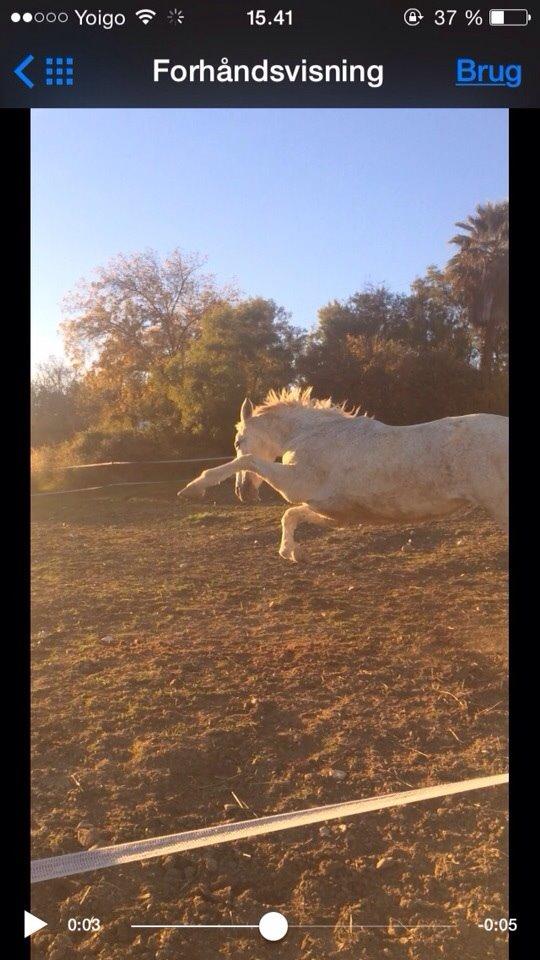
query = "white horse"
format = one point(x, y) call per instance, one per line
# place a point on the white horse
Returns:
point(342, 468)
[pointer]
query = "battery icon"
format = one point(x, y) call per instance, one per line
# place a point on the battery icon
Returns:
point(509, 18)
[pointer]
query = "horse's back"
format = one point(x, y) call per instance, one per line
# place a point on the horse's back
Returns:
point(483, 435)
point(376, 472)
point(366, 444)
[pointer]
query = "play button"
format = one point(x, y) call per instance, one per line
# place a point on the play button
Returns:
point(32, 924)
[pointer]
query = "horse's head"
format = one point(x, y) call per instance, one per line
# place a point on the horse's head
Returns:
point(251, 437)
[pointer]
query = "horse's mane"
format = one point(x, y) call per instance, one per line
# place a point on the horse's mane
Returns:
point(301, 397)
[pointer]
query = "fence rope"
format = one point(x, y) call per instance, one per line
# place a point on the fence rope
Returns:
point(103, 486)
point(136, 463)
point(120, 483)
point(71, 863)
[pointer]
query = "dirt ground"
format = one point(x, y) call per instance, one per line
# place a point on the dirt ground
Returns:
point(180, 667)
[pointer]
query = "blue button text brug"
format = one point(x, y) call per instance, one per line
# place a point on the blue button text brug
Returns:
point(469, 73)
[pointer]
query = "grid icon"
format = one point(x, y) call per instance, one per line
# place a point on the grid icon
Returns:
point(59, 71)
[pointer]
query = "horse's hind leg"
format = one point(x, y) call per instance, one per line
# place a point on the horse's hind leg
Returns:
point(289, 549)
point(494, 499)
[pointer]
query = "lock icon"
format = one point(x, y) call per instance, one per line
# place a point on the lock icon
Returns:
point(412, 17)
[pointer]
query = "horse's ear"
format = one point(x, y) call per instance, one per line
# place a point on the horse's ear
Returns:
point(246, 410)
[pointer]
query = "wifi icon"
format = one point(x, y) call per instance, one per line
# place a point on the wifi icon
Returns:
point(145, 16)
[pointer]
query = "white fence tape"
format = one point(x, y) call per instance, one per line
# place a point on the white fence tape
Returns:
point(71, 863)
point(119, 483)
point(135, 463)
point(103, 486)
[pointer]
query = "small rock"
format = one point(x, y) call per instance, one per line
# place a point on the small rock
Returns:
point(337, 774)
point(107, 639)
point(225, 893)
point(87, 835)
point(325, 832)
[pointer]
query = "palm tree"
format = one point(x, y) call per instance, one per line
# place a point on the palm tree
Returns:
point(479, 275)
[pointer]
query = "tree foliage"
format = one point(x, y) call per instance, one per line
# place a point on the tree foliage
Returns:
point(426, 320)
point(243, 348)
point(163, 355)
point(399, 384)
point(478, 273)
point(54, 408)
point(139, 310)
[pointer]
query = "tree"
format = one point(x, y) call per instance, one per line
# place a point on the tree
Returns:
point(478, 273)
point(123, 329)
point(428, 318)
point(401, 384)
point(436, 318)
point(374, 311)
point(242, 349)
point(325, 362)
point(139, 310)
point(163, 355)
point(54, 408)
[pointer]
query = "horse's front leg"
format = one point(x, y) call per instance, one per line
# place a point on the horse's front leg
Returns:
point(289, 549)
point(282, 477)
point(210, 478)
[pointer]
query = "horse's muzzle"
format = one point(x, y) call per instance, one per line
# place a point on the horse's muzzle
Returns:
point(245, 489)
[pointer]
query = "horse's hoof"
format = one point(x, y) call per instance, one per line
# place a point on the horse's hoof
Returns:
point(296, 555)
point(191, 492)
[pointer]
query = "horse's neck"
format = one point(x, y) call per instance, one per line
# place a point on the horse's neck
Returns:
point(284, 423)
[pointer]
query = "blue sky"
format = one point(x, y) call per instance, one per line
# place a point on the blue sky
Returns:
point(303, 206)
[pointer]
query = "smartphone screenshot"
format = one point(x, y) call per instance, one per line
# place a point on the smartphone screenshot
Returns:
point(269, 264)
